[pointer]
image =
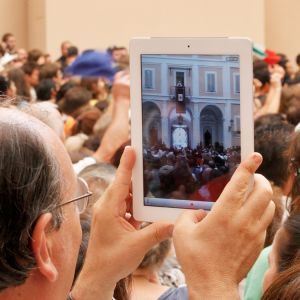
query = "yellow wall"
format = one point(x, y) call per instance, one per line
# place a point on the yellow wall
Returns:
point(282, 26)
point(36, 20)
point(13, 18)
point(98, 24)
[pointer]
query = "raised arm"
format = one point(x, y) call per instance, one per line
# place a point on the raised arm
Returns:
point(117, 133)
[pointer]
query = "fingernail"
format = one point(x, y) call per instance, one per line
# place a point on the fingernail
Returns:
point(257, 158)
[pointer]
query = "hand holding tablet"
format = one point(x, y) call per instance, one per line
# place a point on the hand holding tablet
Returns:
point(191, 108)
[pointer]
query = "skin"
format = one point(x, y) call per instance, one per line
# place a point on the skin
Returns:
point(118, 131)
point(64, 48)
point(11, 43)
point(33, 79)
point(117, 54)
point(272, 103)
point(22, 55)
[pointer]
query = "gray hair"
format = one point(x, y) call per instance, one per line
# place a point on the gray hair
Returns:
point(29, 186)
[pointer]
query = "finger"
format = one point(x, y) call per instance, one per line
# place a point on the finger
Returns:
point(118, 190)
point(268, 216)
point(259, 199)
point(190, 217)
point(154, 234)
point(124, 171)
point(238, 187)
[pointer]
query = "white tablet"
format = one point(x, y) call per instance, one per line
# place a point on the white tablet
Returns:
point(192, 121)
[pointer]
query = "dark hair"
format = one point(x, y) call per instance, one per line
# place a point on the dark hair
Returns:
point(283, 60)
point(29, 186)
point(115, 48)
point(293, 114)
point(75, 98)
point(6, 36)
point(298, 59)
point(290, 103)
point(294, 165)
point(261, 72)
point(17, 76)
point(49, 71)
point(64, 88)
point(289, 246)
point(4, 85)
point(2, 50)
point(45, 89)
point(91, 84)
point(272, 136)
point(285, 286)
point(85, 227)
point(72, 51)
point(29, 67)
point(34, 55)
point(115, 160)
point(86, 120)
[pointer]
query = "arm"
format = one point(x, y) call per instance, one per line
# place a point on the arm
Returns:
point(117, 134)
point(273, 98)
point(216, 250)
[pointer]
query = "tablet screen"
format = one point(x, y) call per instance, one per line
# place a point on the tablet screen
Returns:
point(191, 127)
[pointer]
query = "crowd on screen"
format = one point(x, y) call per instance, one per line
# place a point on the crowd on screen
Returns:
point(68, 115)
point(189, 174)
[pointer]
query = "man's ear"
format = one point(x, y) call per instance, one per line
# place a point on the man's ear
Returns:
point(41, 247)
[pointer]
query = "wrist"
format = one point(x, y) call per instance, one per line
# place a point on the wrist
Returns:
point(89, 287)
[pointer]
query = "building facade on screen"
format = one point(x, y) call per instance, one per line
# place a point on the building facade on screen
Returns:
point(191, 100)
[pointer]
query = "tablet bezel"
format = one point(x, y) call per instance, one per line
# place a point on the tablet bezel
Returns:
point(192, 46)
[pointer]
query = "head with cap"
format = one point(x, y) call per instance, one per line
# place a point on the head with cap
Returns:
point(92, 63)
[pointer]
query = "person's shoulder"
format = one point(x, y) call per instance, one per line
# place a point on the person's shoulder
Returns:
point(180, 293)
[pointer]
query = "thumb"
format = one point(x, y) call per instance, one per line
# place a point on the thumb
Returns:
point(154, 234)
point(118, 190)
point(235, 191)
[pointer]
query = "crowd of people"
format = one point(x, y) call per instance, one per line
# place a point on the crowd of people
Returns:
point(67, 230)
point(189, 174)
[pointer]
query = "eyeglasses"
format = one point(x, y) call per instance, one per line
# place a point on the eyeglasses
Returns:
point(81, 201)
